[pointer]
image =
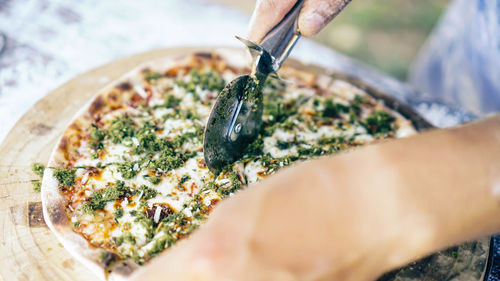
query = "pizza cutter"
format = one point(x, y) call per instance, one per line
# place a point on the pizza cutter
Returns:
point(236, 117)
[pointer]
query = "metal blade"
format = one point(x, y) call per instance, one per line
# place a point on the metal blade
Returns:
point(234, 122)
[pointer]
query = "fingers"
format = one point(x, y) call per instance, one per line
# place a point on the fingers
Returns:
point(267, 13)
point(317, 13)
point(314, 16)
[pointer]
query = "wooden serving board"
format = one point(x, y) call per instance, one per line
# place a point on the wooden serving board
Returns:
point(28, 249)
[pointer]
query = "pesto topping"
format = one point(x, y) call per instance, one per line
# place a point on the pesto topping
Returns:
point(99, 198)
point(172, 101)
point(332, 109)
point(37, 186)
point(121, 128)
point(209, 80)
point(379, 122)
point(118, 213)
point(151, 76)
point(167, 160)
point(148, 192)
point(253, 90)
point(127, 238)
point(66, 177)
point(96, 136)
point(147, 223)
point(128, 169)
point(37, 169)
point(256, 147)
point(276, 109)
point(152, 179)
point(183, 179)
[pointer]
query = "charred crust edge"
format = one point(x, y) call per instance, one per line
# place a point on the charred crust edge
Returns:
point(124, 86)
point(56, 213)
point(96, 105)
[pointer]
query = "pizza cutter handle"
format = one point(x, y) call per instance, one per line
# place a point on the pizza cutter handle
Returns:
point(280, 40)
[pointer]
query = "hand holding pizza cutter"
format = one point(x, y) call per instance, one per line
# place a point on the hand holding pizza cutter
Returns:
point(236, 117)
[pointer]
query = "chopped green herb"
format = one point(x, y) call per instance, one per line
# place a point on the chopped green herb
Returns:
point(167, 160)
point(118, 213)
point(359, 100)
point(138, 259)
point(273, 164)
point(277, 110)
point(152, 179)
point(189, 114)
point(253, 91)
point(198, 206)
point(210, 80)
point(331, 140)
point(255, 148)
point(128, 169)
point(183, 179)
point(172, 101)
point(379, 122)
point(148, 224)
point(99, 198)
point(179, 140)
point(150, 76)
point(148, 192)
point(38, 169)
point(37, 186)
point(332, 109)
point(125, 238)
point(96, 136)
point(310, 151)
point(121, 128)
point(184, 114)
point(147, 139)
point(235, 180)
point(66, 177)
point(283, 144)
point(160, 245)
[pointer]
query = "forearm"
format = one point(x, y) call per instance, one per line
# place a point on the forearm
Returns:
point(451, 176)
point(411, 197)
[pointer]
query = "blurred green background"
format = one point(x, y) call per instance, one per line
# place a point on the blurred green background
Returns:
point(386, 34)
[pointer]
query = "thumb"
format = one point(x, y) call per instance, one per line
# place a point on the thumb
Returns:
point(315, 14)
point(267, 13)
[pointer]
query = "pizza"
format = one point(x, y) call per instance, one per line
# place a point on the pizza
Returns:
point(127, 179)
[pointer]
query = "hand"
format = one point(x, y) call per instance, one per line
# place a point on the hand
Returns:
point(280, 230)
point(303, 224)
point(352, 216)
point(315, 14)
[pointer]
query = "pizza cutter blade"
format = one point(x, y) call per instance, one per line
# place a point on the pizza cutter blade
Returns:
point(233, 123)
point(236, 117)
